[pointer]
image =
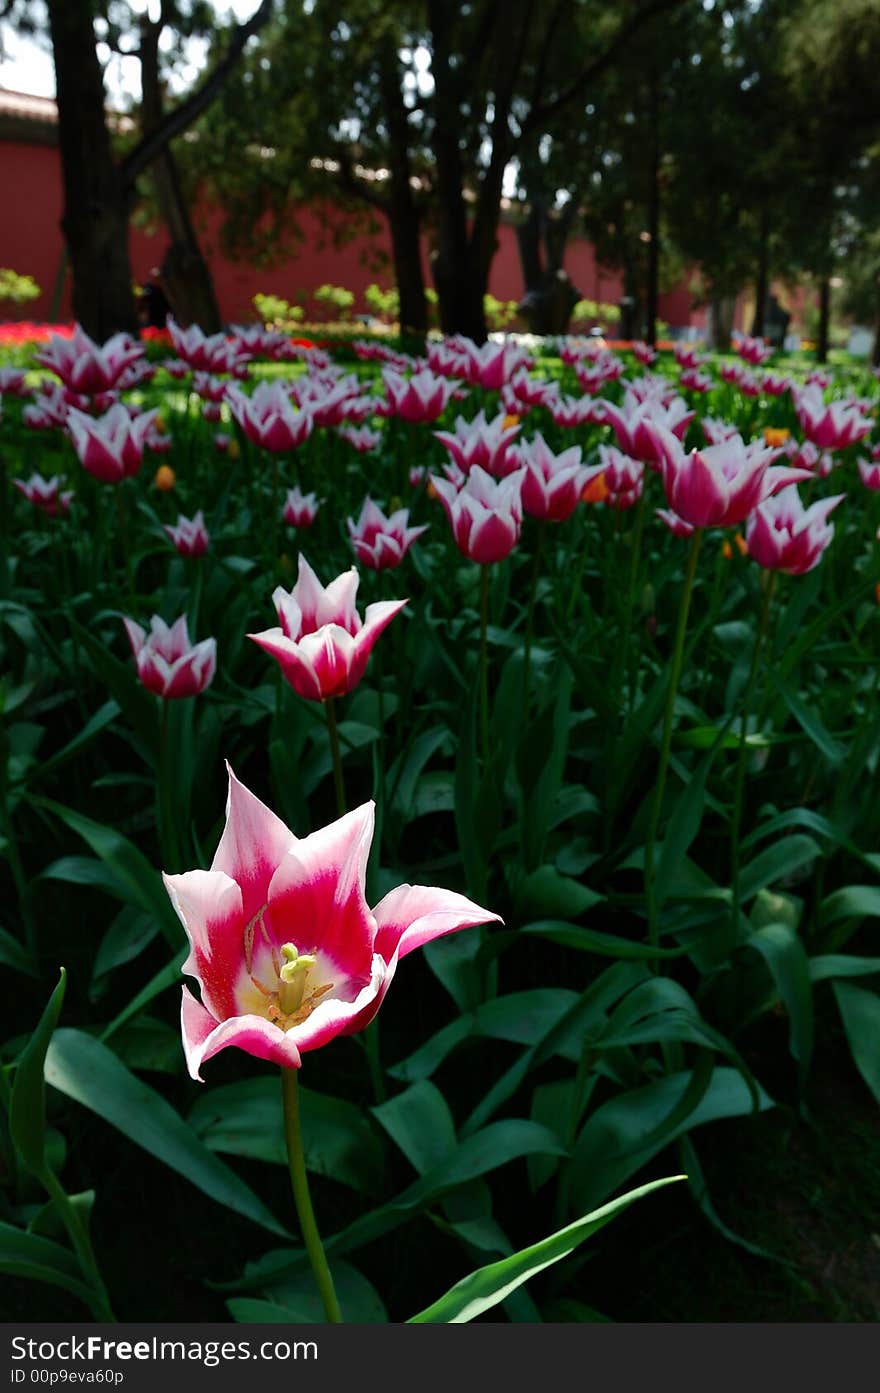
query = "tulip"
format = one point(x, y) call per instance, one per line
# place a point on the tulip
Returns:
point(45, 494)
point(48, 409)
point(552, 484)
point(523, 391)
point(322, 644)
point(167, 662)
point(285, 949)
point(12, 382)
point(419, 399)
point(300, 509)
point(624, 478)
point(361, 438)
point(190, 536)
point(772, 385)
point(677, 526)
point(576, 411)
point(332, 401)
point(829, 425)
point(721, 485)
point(869, 471)
point(481, 442)
point(490, 365)
point(688, 355)
point(165, 478)
point(83, 366)
point(803, 454)
point(268, 418)
point(111, 446)
point(485, 514)
point(694, 381)
point(644, 353)
point(752, 350)
point(214, 353)
point(209, 387)
point(382, 542)
point(783, 535)
point(639, 426)
point(717, 431)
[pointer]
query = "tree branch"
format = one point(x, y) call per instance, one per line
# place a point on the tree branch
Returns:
point(541, 113)
point(155, 141)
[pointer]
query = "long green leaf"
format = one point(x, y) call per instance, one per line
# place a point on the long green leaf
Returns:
point(860, 1012)
point(27, 1106)
point(81, 1067)
point(40, 1259)
point(483, 1289)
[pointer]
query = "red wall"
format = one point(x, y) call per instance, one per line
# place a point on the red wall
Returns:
point(31, 243)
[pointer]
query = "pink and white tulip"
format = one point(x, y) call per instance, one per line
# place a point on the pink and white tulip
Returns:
point(485, 514)
point(190, 536)
point(382, 542)
point(321, 643)
point(167, 662)
point(268, 418)
point(419, 399)
point(111, 447)
point(552, 484)
point(720, 485)
point(300, 509)
point(829, 425)
point(85, 367)
point(45, 494)
point(783, 535)
point(285, 949)
point(482, 442)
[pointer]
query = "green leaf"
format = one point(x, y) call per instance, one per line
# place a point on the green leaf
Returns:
point(246, 1119)
point(786, 960)
point(15, 955)
point(591, 941)
point(621, 1135)
point(81, 1067)
point(860, 1012)
point(27, 1106)
point(297, 1301)
point(842, 965)
point(168, 976)
point(809, 722)
point(545, 891)
point(852, 902)
point(38, 1259)
point(93, 727)
point(137, 882)
point(420, 1123)
point(483, 1289)
point(682, 827)
point(785, 858)
point(520, 1017)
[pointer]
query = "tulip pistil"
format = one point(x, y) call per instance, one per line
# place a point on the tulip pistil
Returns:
point(290, 1004)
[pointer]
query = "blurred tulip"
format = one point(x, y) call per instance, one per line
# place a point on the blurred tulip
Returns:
point(481, 442)
point(268, 418)
point(485, 514)
point(783, 535)
point(167, 662)
point(552, 484)
point(111, 446)
point(419, 399)
point(300, 509)
point(381, 542)
point(45, 494)
point(190, 536)
point(83, 366)
point(720, 485)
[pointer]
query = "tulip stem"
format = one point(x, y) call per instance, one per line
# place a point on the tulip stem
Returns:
point(621, 666)
point(666, 739)
point(484, 662)
point(302, 1199)
point(739, 782)
point(336, 755)
point(530, 615)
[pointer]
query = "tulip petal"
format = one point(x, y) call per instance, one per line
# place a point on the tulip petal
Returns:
point(203, 1037)
point(254, 841)
point(411, 915)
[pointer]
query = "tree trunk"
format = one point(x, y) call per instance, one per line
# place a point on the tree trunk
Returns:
point(550, 296)
point(456, 275)
point(402, 212)
point(762, 279)
point(824, 318)
point(721, 312)
point(95, 214)
point(652, 294)
point(185, 275)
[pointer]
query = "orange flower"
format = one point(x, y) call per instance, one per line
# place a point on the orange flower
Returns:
point(774, 435)
point(165, 478)
point(509, 421)
point(596, 490)
point(877, 593)
point(740, 543)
